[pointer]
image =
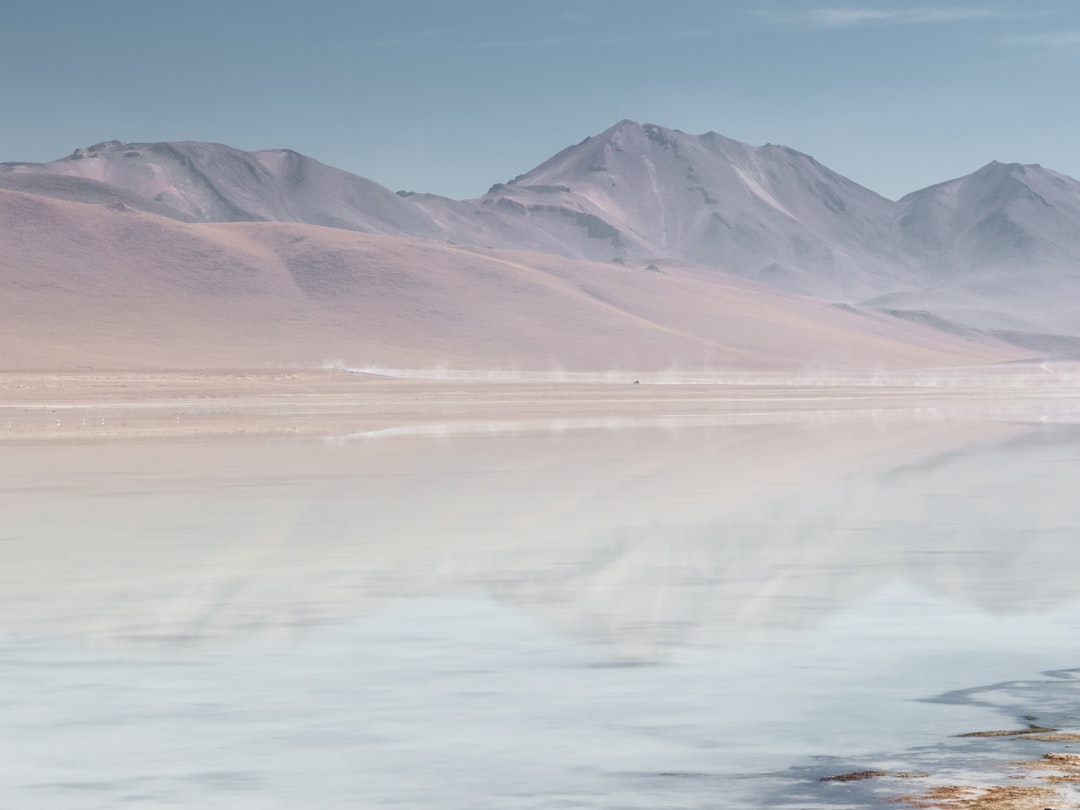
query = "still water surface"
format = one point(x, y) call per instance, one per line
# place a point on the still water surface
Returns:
point(668, 615)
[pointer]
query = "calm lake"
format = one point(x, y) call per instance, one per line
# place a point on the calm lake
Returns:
point(669, 613)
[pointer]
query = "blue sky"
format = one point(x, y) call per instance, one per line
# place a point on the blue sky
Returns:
point(451, 96)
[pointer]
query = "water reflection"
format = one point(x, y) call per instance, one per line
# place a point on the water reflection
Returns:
point(634, 540)
point(463, 621)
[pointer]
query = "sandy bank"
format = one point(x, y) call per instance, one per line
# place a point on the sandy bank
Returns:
point(95, 405)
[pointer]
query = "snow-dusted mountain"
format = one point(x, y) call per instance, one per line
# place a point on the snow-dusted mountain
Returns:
point(997, 250)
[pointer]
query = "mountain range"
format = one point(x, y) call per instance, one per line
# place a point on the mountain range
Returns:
point(993, 257)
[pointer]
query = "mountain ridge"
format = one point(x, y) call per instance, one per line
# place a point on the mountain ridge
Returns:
point(992, 250)
point(113, 287)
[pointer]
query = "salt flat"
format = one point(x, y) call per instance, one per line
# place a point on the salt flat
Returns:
point(96, 405)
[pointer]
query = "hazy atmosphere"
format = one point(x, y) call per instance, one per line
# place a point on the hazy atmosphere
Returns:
point(450, 98)
point(512, 405)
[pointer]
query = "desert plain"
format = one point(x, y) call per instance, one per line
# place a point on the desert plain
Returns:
point(94, 406)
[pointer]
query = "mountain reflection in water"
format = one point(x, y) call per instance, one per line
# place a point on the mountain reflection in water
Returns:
point(630, 540)
point(679, 614)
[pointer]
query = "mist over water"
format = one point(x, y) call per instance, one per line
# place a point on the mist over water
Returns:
point(635, 613)
point(1022, 377)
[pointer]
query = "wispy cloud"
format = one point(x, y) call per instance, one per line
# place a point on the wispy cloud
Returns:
point(849, 16)
point(833, 17)
point(1051, 40)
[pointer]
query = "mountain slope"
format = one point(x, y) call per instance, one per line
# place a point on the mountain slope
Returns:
point(116, 288)
point(999, 248)
point(1003, 217)
point(210, 182)
point(634, 192)
point(995, 251)
point(642, 192)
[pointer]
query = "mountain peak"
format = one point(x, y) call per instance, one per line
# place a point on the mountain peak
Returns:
point(214, 182)
point(999, 166)
point(998, 169)
point(1002, 176)
point(636, 192)
point(92, 151)
point(629, 124)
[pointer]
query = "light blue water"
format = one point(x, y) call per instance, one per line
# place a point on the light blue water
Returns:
point(697, 617)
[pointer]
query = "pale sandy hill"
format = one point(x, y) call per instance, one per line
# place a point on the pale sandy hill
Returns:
point(994, 252)
point(106, 286)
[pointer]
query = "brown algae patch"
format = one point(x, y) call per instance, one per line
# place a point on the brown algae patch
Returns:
point(997, 797)
point(1019, 732)
point(1056, 736)
point(854, 776)
point(1053, 779)
point(1052, 769)
point(1064, 768)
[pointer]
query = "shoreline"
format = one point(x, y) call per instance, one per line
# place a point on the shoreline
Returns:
point(93, 406)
